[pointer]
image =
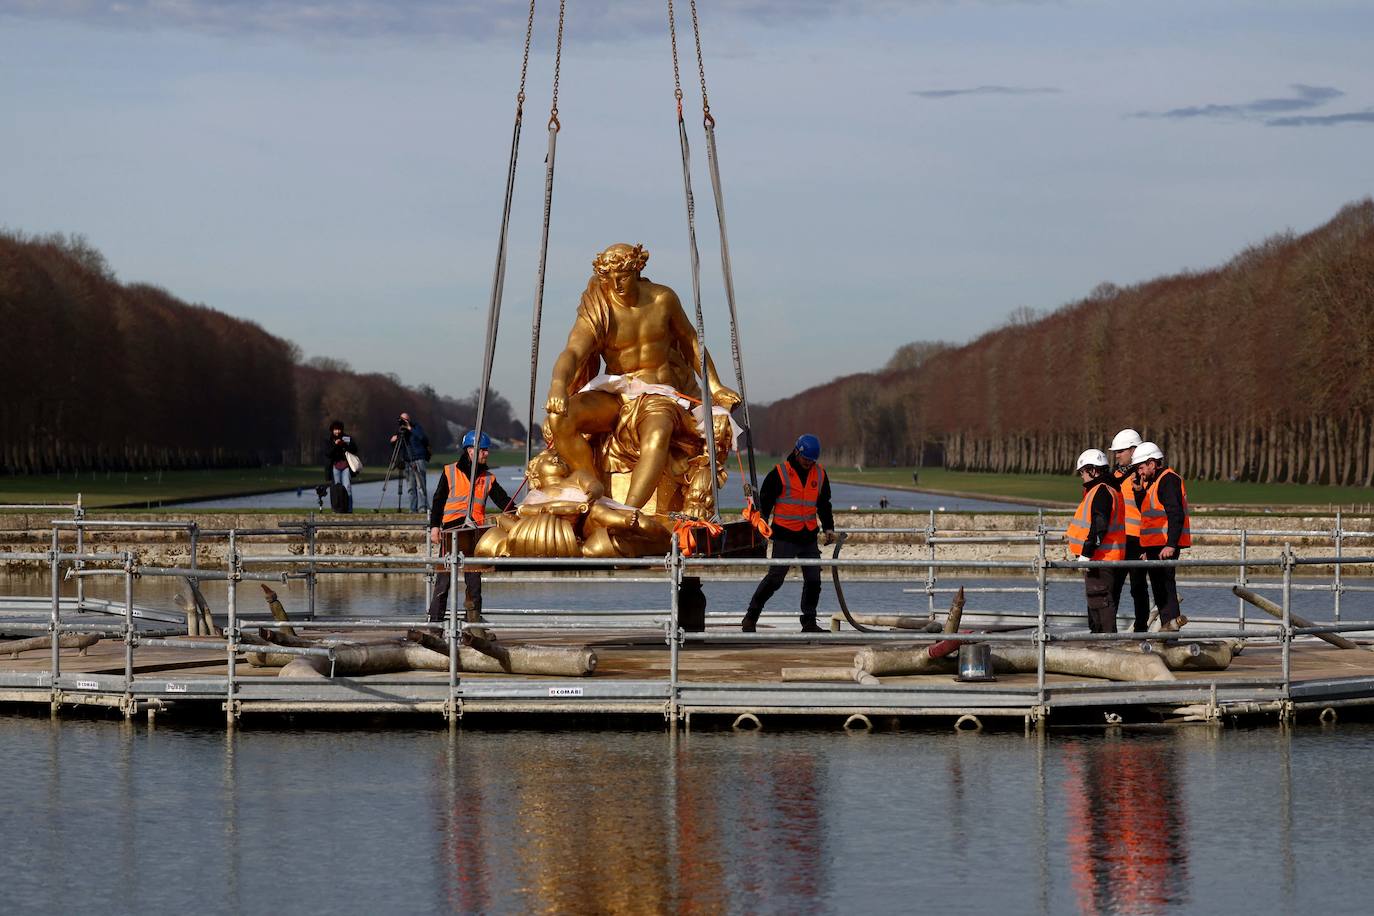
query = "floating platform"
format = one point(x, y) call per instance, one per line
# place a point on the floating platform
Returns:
point(634, 678)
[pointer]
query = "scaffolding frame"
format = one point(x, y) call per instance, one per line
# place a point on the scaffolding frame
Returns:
point(674, 697)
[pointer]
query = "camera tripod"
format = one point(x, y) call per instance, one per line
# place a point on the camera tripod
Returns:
point(402, 447)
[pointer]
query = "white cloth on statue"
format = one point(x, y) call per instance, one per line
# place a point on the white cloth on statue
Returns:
point(628, 386)
point(567, 494)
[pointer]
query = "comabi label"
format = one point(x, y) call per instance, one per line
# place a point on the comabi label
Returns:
point(565, 691)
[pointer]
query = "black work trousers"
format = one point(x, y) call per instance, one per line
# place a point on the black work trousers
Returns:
point(1101, 603)
point(472, 586)
point(811, 579)
point(1140, 592)
point(1164, 584)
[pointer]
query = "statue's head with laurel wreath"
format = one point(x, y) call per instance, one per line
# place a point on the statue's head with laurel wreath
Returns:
point(618, 270)
point(620, 257)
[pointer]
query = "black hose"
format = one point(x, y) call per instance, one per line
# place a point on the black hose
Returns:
point(839, 589)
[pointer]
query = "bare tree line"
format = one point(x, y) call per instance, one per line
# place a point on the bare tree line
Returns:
point(1261, 370)
point(100, 375)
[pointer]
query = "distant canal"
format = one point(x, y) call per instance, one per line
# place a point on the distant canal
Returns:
point(369, 497)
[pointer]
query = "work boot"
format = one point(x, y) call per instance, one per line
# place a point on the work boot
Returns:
point(750, 622)
point(809, 625)
point(473, 612)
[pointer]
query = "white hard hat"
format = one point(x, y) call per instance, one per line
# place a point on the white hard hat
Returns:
point(1145, 451)
point(1127, 438)
point(1092, 456)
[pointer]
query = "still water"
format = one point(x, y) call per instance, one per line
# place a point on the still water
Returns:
point(108, 817)
point(105, 817)
point(383, 495)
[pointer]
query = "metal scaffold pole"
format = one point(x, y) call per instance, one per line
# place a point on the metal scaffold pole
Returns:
point(55, 624)
point(128, 634)
point(1040, 630)
point(231, 628)
point(1336, 582)
point(674, 629)
point(1287, 635)
point(451, 629)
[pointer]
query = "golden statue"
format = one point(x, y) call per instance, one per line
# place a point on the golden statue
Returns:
point(625, 455)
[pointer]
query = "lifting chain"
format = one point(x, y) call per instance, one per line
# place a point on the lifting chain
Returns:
point(706, 118)
point(557, 65)
point(525, 61)
point(677, 76)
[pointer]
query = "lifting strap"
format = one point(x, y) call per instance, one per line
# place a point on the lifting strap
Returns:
point(709, 123)
point(708, 419)
point(554, 127)
point(498, 282)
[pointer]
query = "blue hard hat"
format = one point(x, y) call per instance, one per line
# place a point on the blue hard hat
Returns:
point(808, 446)
point(471, 438)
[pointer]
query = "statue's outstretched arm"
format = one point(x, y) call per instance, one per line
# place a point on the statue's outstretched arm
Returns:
point(581, 341)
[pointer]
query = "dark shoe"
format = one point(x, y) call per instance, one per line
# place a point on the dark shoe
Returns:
point(810, 626)
point(750, 621)
point(746, 626)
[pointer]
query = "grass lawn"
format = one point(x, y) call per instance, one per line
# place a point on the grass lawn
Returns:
point(1065, 488)
point(143, 489)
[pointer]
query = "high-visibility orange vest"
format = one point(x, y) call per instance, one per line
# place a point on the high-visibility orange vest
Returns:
point(1113, 544)
point(456, 507)
point(1154, 524)
point(796, 507)
point(1132, 509)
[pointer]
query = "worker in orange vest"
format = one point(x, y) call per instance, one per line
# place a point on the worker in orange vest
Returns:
point(450, 510)
point(1098, 532)
point(796, 494)
point(1122, 447)
point(1165, 528)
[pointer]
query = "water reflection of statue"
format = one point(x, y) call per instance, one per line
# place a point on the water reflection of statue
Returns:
point(638, 328)
point(627, 448)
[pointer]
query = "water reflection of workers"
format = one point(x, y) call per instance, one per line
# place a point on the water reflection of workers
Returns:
point(1122, 447)
point(1127, 837)
point(1165, 529)
point(774, 823)
point(1097, 531)
point(449, 510)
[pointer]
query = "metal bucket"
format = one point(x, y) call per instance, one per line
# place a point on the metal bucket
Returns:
point(975, 662)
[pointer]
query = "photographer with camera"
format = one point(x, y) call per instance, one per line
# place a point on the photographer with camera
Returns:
point(411, 456)
point(339, 467)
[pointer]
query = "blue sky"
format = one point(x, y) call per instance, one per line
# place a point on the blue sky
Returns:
point(894, 171)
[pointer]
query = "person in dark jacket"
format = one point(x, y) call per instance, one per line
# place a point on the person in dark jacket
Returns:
point(337, 449)
point(1097, 532)
point(1122, 448)
point(796, 494)
point(1165, 528)
point(449, 510)
point(412, 458)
